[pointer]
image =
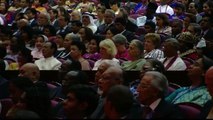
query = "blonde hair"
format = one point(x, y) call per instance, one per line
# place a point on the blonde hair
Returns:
point(109, 45)
point(155, 38)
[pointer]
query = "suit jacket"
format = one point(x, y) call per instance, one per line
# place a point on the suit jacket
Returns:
point(129, 35)
point(167, 110)
point(102, 29)
point(131, 26)
point(66, 30)
point(33, 23)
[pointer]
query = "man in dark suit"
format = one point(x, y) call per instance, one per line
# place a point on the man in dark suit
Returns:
point(109, 17)
point(152, 89)
point(63, 24)
point(31, 14)
point(120, 24)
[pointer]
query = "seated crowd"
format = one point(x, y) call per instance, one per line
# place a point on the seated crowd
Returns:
point(108, 37)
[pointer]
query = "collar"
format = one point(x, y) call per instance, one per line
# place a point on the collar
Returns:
point(49, 58)
point(31, 20)
point(155, 104)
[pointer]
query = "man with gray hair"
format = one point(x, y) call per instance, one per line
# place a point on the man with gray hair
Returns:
point(109, 17)
point(152, 90)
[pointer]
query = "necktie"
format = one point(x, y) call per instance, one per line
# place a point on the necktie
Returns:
point(147, 112)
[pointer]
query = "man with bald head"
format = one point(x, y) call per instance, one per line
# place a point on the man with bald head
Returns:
point(30, 71)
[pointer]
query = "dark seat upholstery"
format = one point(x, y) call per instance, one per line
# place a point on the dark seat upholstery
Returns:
point(191, 110)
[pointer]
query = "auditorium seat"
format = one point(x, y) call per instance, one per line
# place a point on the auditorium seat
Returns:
point(190, 110)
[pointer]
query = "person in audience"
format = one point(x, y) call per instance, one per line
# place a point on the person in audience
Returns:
point(30, 71)
point(48, 62)
point(67, 66)
point(77, 50)
point(149, 27)
point(206, 111)
point(177, 27)
point(151, 46)
point(81, 101)
point(73, 77)
point(107, 51)
point(118, 103)
point(100, 15)
point(114, 5)
point(88, 21)
point(172, 61)
point(85, 34)
point(187, 42)
point(63, 24)
point(193, 8)
point(121, 45)
point(165, 8)
point(135, 52)
point(50, 32)
point(59, 42)
point(109, 17)
point(93, 48)
point(179, 10)
point(197, 92)
point(111, 77)
point(37, 51)
point(36, 99)
point(65, 54)
point(207, 8)
point(162, 23)
point(150, 65)
point(111, 32)
point(120, 24)
point(131, 23)
point(189, 18)
point(17, 87)
point(75, 15)
point(24, 56)
point(76, 26)
point(152, 89)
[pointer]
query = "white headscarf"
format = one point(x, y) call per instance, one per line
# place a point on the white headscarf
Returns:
point(92, 25)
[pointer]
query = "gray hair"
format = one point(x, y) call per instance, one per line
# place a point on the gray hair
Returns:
point(73, 37)
point(160, 82)
point(174, 42)
point(111, 12)
point(119, 39)
point(139, 45)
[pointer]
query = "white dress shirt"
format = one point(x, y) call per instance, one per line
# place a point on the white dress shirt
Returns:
point(50, 63)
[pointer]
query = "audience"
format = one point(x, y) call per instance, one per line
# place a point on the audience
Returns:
point(81, 102)
point(135, 52)
point(118, 103)
point(197, 91)
point(48, 62)
point(152, 89)
point(176, 38)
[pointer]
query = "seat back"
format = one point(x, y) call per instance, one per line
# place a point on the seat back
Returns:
point(53, 90)
point(7, 103)
point(190, 110)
